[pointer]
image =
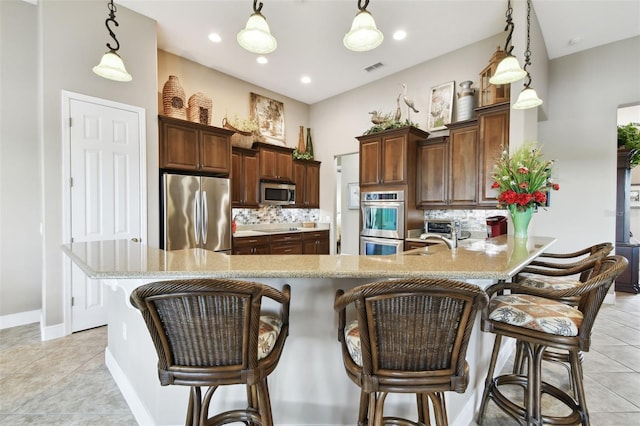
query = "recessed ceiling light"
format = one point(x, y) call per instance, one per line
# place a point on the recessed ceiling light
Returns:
point(215, 37)
point(305, 79)
point(399, 35)
point(574, 40)
point(262, 60)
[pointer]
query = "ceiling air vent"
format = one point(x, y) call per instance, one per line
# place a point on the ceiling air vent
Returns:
point(374, 66)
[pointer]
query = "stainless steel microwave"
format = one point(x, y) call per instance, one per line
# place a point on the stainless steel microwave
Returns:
point(279, 194)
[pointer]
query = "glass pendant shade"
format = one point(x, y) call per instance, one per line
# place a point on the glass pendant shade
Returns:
point(508, 71)
point(256, 37)
point(363, 35)
point(528, 99)
point(112, 67)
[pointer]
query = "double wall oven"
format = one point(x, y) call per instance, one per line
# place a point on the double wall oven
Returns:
point(383, 214)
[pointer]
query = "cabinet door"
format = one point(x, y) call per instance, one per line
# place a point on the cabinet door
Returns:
point(268, 164)
point(394, 154)
point(431, 185)
point(299, 178)
point(494, 136)
point(244, 179)
point(370, 162)
point(178, 147)
point(312, 186)
point(215, 153)
point(463, 154)
point(284, 166)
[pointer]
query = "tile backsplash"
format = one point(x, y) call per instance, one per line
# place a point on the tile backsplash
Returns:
point(274, 214)
point(470, 220)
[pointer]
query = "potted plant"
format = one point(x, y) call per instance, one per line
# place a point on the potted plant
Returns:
point(629, 138)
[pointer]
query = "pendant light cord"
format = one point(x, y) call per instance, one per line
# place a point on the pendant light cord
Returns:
point(366, 3)
point(527, 53)
point(509, 27)
point(257, 7)
point(112, 18)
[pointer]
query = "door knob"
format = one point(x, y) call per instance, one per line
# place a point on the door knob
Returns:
point(135, 240)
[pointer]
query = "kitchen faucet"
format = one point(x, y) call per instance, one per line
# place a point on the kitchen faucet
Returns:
point(450, 242)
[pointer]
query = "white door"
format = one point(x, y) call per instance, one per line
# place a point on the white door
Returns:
point(105, 192)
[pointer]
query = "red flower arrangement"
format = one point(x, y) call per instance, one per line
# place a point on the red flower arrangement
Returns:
point(523, 179)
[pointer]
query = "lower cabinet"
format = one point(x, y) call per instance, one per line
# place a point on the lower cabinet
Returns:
point(315, 242)
point(628, 280)
point(251, 245)
point(290, 243)
point(312, 242)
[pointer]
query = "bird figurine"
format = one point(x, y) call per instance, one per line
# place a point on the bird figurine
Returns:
point(376, 118)
point(398, 115)
point(409, 102)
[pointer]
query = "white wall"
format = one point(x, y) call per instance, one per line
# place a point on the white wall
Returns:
point(585, 91)
point(20, 240)
point(72, 39)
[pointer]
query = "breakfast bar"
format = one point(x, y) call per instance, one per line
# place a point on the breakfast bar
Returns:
point(309, 386)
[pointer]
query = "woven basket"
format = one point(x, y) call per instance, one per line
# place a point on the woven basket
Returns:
point(174, 102)
point(239, 138)
point(200, 108)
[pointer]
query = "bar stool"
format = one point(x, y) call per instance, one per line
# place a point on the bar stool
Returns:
point(537, 321)
point(410, 336)
point(568, 270)
point(211, 332)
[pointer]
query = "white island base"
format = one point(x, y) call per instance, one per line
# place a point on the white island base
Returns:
point(309, 386)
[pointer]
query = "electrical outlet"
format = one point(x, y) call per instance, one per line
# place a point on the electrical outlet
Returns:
point(124, 331)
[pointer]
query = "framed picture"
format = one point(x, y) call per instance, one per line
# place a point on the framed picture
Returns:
point(269, 114)
point(634, 197)
point(440, 106)
point(354, 195)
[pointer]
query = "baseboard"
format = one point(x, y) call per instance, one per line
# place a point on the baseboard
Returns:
point(21, 318)
point(128, 392)
point(52, 332)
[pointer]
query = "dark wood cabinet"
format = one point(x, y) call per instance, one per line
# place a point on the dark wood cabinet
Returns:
point(433, 171)
point(388, 157)
point(251, 245)
point(306, 176)
point(276, 162)
point(194, 147)
point(628, 280)
point(290, 243)
point(315, 242)
point(448, 168)
point(244, 177)
point(493, 122)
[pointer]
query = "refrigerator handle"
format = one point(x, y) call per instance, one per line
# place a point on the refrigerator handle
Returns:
point(196, 218)
point(205, 218)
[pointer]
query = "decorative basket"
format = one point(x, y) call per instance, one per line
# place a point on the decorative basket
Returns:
point(239, 138)
point(173, 99)
point(200, 108)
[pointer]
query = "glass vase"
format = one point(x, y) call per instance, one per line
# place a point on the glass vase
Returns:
point(520, 219)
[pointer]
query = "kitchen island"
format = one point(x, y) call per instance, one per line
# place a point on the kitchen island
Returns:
point(310, 386)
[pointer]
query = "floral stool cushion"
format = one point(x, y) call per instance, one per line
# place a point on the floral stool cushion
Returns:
point(554, 283)
point(269, 330)
point(536, 313)
point(352, 339)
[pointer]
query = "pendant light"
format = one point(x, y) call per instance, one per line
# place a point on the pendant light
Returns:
point(363, 35)
point(508, 69)
point(111, 65)
point(528, 97)
point(256, 37)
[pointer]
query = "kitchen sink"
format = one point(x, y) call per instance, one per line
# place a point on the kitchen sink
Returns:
point(417, 253)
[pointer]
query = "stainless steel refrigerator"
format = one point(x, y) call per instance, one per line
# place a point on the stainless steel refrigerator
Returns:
point(196, 213)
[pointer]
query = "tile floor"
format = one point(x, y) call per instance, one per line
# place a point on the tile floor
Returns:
point(65, 381)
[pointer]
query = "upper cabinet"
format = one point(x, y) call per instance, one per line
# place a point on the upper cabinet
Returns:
point(276, 162)
point(493, 122)
point(386, 157)
point(194, 147)
point(306, 176)
point(455, 171)
point(244, 177)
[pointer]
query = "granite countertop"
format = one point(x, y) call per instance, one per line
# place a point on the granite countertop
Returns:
point(492, 258)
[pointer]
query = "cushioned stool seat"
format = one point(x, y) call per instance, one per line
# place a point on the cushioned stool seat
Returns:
point(538, 320)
